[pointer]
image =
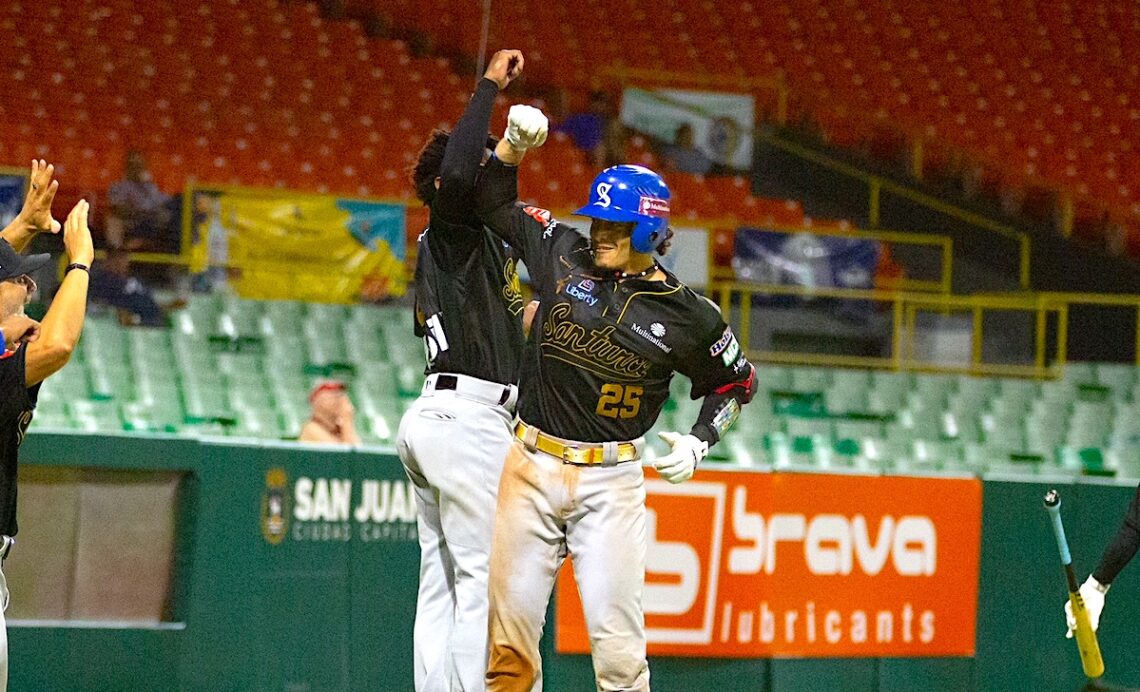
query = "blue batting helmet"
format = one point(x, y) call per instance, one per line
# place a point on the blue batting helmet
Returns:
point(629, 193)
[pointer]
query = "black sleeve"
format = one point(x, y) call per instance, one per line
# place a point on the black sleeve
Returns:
point(531, 230)
point(724, 377)
point(454, 206)
point(1123, 545)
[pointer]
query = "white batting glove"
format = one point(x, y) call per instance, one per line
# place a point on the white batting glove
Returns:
point(1092, 592)
point(527, 127)
point(679, 465)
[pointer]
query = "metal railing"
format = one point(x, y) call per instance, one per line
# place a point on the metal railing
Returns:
point(1039, 322)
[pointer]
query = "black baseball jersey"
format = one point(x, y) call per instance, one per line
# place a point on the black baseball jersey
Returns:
point(17, 402)
point(604, 348)
point(1123, 546)
point(468, 299)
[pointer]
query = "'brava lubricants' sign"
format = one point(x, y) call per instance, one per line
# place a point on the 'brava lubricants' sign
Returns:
point(757, 565)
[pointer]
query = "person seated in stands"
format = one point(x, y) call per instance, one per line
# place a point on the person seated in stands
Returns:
point(588, 128)
point(112, 284)
point(141, 216)
point(333, 420)
point(682, 156)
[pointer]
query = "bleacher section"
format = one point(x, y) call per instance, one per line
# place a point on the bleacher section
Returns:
point(1037, 90)
point(244, 368)
point(259, 93)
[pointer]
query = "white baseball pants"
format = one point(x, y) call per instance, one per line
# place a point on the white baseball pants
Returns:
point(547, 507)
point(3, 628)
point(452, 447)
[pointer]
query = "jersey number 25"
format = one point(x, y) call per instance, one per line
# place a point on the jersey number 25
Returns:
point(618, 401)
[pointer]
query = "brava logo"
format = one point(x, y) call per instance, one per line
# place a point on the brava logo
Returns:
point(832, 543)
point(682, 575)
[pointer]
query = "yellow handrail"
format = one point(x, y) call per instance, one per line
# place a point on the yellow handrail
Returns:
point(905, 307)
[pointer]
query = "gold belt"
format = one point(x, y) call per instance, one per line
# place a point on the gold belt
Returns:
point(590, 453)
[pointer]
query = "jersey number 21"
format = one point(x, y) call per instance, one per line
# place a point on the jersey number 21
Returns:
point(435, 341)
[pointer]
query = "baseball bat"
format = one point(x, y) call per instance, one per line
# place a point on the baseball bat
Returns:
point(1087, 644)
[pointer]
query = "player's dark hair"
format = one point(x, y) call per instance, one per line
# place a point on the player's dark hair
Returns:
point(427, 166)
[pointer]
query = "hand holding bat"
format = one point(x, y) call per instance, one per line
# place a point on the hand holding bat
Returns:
point(1087, 644)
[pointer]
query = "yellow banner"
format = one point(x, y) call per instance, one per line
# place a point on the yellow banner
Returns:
point(306, 247)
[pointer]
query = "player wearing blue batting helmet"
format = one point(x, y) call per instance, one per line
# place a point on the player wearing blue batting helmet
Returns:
point(631, 194)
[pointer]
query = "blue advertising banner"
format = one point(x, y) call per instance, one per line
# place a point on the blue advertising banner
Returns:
point(807, 260)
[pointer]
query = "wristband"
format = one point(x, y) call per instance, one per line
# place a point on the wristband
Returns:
point(77, 265)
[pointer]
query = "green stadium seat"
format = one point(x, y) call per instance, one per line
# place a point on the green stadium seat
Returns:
point(204, 403)
point(1090, 424)
point(96, 416)
point(916, 423)
point(112, 383)
point(244, 316)
point(769, 377)
point(69, 384)
point(961, 426)
point(256, 422)
point(808, 427)
point(326, 346)
point(403, 347)
point(200, 316)
point(327, 313)
point(886, 455)
point(845, 398)
point(810, 379)
point(1120, 377)
point(935, 455)
point(1058, 392)
point(251, 397)
point(365, 345)
point(856, 429)
point(1002, 431)
point(970, 388)
point(47, 421)
point(934, 388)
point(1079, 372)
point(777, 448)
point(1017, 391)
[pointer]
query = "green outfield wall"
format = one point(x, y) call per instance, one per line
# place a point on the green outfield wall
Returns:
point(175, 564)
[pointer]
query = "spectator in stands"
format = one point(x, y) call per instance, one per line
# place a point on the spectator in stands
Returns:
point(333, 419)
point(682, 156)
point(112, 284)
point(587, 129)
point(141, 216)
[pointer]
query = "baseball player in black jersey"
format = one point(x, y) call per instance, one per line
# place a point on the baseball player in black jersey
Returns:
point(1119, 552)
point(611, 330)
point(452, 441)
point(29, 358)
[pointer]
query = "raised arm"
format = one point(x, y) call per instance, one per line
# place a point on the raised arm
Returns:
point(454, 202)
point(61, 326)
point(35, 215)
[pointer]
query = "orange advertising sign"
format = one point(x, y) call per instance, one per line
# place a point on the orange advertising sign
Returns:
point(755, 565)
